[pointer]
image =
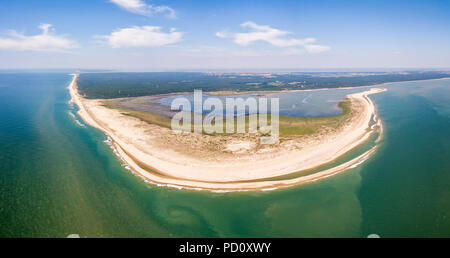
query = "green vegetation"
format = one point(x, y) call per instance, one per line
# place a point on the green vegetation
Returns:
point(120, 85)
point(149, 117)
point(289, 126)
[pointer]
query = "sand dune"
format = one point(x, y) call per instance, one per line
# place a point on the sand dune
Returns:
point(147, 150)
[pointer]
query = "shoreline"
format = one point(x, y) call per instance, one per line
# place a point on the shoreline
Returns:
point(162, 171)
point(309, 90)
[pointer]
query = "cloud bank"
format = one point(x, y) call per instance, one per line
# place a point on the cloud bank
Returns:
point(46, 41)
point(145, 36)
point(272, 36)
point(142, 8)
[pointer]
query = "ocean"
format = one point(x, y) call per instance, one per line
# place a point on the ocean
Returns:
point(59, 176)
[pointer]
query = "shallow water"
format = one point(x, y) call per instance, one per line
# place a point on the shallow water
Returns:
point(59, 177)
point(297, 104)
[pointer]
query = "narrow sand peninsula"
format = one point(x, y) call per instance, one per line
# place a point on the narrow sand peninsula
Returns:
point(148, 151)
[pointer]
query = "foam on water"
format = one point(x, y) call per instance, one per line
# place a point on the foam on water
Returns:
point(76, 120)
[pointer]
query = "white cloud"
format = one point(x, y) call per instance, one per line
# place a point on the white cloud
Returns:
point(269, 35)
point(272, 36)
point(316, 48)
point(142, 8)
point(145, 36)
point(46, 41)
point(222, 34)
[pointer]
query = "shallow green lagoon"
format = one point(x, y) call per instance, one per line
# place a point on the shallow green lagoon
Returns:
point(59, 177)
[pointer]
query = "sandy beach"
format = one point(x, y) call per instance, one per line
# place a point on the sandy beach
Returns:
point(164, 157)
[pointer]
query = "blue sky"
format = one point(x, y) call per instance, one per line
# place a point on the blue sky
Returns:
point(244, 34)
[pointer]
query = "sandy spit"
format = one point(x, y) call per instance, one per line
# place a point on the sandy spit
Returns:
point(132, 139)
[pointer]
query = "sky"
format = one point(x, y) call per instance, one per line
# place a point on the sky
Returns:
point(165, 35)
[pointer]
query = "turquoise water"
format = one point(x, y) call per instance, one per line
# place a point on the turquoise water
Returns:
point(59, 177)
